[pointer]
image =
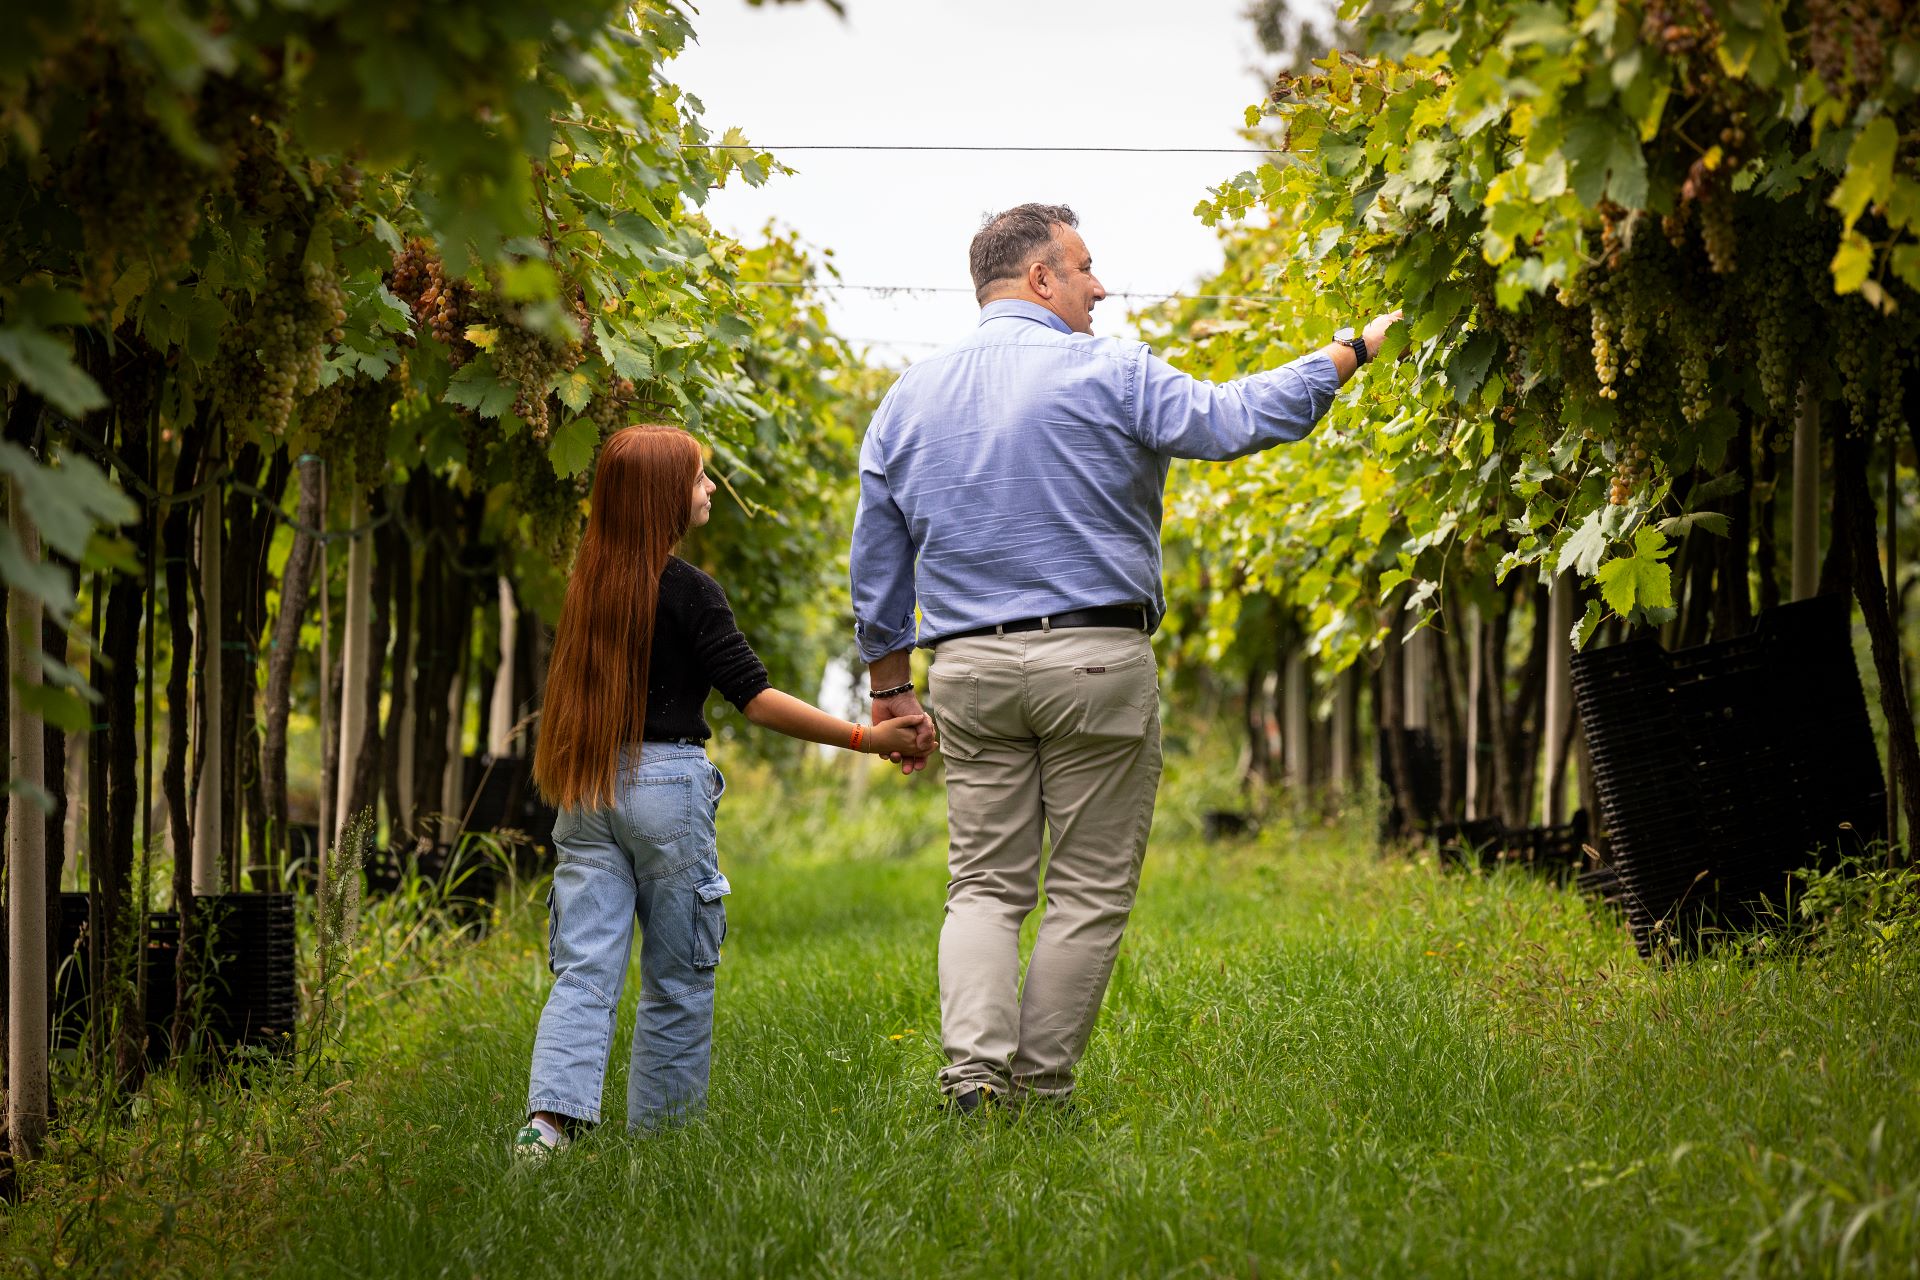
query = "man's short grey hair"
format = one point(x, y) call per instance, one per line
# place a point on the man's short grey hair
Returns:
point(1008, 243)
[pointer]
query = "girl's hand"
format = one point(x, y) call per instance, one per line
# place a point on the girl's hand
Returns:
point(904, 735)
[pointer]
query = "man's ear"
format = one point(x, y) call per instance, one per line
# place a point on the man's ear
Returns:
point(1040, 277)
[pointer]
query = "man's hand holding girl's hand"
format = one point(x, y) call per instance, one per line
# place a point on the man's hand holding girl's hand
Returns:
point(907, 740)
point(901, 708)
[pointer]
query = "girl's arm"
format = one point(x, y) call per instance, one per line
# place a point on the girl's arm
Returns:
point(784, 713)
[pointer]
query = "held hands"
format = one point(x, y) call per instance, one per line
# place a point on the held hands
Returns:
point(902, 732)
point(901, 736)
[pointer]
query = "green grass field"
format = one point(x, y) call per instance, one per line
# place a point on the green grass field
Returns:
point(1314, 1060)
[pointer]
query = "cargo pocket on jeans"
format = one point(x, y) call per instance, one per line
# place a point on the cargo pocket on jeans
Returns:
point(553, 931)
point(709, 921)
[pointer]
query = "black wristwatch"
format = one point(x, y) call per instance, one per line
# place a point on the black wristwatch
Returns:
point(1356, 342)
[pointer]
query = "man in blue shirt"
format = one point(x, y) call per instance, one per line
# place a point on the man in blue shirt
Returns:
point(1011, 487)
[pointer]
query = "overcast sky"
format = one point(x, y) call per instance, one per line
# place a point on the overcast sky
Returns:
point(976, 73)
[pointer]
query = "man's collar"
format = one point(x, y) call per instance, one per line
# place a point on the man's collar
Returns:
point(1021, 309)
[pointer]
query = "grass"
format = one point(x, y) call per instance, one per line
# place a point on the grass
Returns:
point(1313, 1060)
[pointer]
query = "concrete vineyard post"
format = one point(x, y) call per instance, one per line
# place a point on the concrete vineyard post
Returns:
point(208, 866)
point(1559, 714)
point(326, 702)
point(353, 661)
point(500, 711)
point(1416, 654)
point(451, 809)
point(1294, 734)
point(1339, 770)
point(1806, 497)
point(27, 1027)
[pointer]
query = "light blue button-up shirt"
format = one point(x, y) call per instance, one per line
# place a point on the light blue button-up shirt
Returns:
point(1020, 473)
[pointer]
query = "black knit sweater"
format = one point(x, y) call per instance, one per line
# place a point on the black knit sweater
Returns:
point(697, 646)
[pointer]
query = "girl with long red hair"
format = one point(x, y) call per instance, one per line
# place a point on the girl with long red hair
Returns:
point(642, 638)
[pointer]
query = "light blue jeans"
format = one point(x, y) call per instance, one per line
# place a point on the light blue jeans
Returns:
point(650, 857)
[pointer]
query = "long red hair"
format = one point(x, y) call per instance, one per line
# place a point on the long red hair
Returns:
point(596, 696)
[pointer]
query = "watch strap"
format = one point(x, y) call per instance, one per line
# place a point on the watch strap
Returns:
point(1357, 343)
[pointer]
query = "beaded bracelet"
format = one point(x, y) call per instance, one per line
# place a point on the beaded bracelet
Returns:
point(877, 694)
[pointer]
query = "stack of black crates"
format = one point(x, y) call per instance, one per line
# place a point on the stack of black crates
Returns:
point(1724, 768)
point(250, 996)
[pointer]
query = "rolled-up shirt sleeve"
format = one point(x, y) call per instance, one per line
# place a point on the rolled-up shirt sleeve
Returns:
point(881, 562)
point(1183, 417)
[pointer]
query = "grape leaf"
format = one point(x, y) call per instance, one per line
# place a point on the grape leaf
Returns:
point(1584, 550)
point(1639, 580)
point(45, 364)
point(574, 388)
point(1869, 173)
point(572, 446)
point(1583, 630)
point(474, 387)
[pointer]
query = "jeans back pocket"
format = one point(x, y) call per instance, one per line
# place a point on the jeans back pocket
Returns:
point(657, 810)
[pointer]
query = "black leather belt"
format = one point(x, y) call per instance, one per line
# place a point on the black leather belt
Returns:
point(1131, 616)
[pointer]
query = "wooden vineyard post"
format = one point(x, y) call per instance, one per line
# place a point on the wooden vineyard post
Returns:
point(1559, 709)
point(353, 661)
point(500, 711)
point(27, 1027)
point(208, 865)
point(1806, 497)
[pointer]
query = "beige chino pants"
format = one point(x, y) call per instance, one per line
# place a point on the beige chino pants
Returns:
point(1054, 733)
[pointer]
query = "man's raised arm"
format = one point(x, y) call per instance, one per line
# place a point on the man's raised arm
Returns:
point(1185, 417)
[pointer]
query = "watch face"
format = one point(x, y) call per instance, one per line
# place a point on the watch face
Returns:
point(1344, 335)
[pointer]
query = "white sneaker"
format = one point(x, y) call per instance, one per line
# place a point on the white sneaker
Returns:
point(537, 1141)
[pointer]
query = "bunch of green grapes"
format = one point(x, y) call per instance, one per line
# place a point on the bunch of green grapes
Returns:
point(300, 310)
point(532, 362)
point(1696, 398)
point(1606, 350)
point(358, 437)
point(1639, 416)
point(1860, 382)
point(552, 507)
point(136, 199)
point(1776, 304)
point(612, 407)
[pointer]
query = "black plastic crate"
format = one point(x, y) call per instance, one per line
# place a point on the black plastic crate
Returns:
point(468, 882)
point(1488, 842)
point(1476, 842)
point(1423, 781)
point(1722, 769)
point(502, 797)
point(1556, 849)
